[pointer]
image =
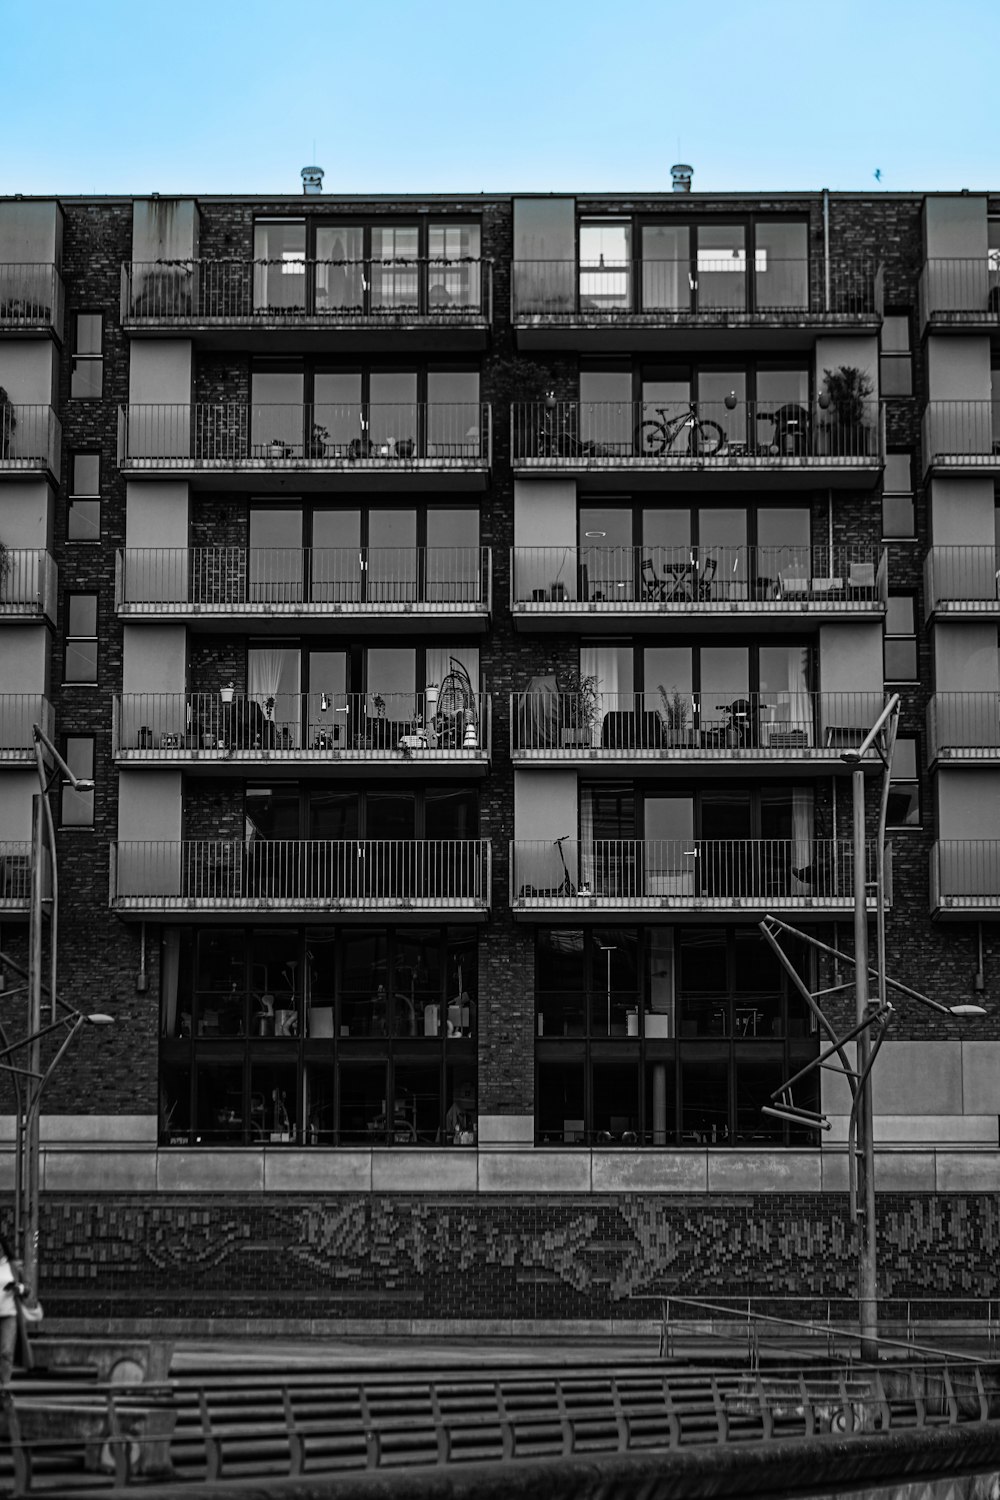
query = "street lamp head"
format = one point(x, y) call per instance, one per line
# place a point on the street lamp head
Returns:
point(851, 757)
point(967, 1010)
point(98, 1018)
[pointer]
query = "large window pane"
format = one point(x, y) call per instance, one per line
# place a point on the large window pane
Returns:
point(340, 269)
point(666, 268)
point(393, 413)
point(275, 555)
point(337, 412)
point(606, 409)
point(453, 557)
point(453, 414)
point(336, 556)
point(721, 267)
point(605, 265)
point(454, 277)
point(560, 1105)
point(276, 413)
point(279, 252)
point(392, 555)
point(781, 266)
point(395, 274)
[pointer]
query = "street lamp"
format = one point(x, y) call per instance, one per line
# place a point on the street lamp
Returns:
point(29, 1080)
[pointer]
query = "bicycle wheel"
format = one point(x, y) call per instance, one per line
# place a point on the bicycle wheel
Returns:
point(652, 440)
point(706, 438)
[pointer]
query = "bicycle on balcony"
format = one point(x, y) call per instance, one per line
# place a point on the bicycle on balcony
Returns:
point(659, 435)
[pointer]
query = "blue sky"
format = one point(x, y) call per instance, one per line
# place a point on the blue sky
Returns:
point(463, 95)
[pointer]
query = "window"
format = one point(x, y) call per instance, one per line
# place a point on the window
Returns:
point(81, 638)
point(898, 515)
point(895, 364)
point(87, 378)
point(84, 523)
point(903, 809)
point(78, 806)
point(901, 638)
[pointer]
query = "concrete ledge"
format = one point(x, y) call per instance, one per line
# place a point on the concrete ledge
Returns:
point(318, 1171)
point(449, 1171)
point(764, 1172)
point(977, 1172)
point(649, 1172)
point(217, 1171)
point(100, 1171)
point(88, 1130)
point(539, 1172)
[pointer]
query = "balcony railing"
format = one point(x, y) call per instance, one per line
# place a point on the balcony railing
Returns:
point(353, 436)
point(704, 434)
point(327, 728)
point(960, 291)
point(30, 440)
point(296, 293)
point(669, 291)
point(15, 875)
point(965, 875)
point(685, 874)
point(18, 712)
point(31, 297)
point(961, 434)
point(962, 579)
point(666, 724)
point(964, 727)
point(694, 580)
point(28, 587)
point(329, 875)
point(267, 581)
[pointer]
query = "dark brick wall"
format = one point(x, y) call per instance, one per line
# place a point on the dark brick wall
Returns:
point(449, 1257)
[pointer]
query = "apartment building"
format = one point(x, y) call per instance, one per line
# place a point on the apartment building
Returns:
point(462, 607)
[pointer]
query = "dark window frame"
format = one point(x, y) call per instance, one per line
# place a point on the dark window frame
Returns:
point(70, 639)
point(88, 356)
point(69, 796)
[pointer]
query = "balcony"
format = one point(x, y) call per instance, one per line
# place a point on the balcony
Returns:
point(960, 436)
point(322, 304)
point(410, 445)
point(645, 588)
point(661, 728)
point(960, 294)
point(962, 582)
point(632, 304)
point(18, 712)
point(621, 444)
point(358, 878)
point(31, 299)
point(965, 878)
point(317, 588)
point(28, 589)
point(616, 878)
point(964, 729)
point(30, 442)
point(15, 877)
point(320, 732)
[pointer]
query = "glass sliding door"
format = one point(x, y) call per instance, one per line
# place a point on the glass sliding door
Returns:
point(336, 557)
point(395, 269)
point(721, 268)
point(338, 415)
point(453, 414)
point(606, 558)
point(781, 266)
point(667, 282)
point(605, 266)
point(392, 414)
point(279, 269)
point(606, 411)
point(454, 271)
point(276, 556)
point(453, 560)
point(327, 718)
point(722, 552)
point(340, 269)
point(392, 560)
point(273, 689)
point(276, 414)
point(670, 853)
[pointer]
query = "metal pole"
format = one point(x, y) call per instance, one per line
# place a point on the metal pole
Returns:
point(32, 1122)
point(867, 1263)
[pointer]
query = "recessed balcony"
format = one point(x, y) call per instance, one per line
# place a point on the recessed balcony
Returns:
point(962, 582)
point(15, 877)
point(965, 878)
point(318, 588)
point(28, 587)
point(18, 713)
point(408, 445)
point(959, 437)
point(344, 304)
point(31, 299)
point(963, 729)
point(714, 303)
point(356, 878)
point(607, 879)
point(960, 294)
point(664, 728)
point(620, 444)
point(295, 734)
point(645, 588)
point(30, 441)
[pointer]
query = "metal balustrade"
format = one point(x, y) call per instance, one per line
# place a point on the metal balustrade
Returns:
point(963, 726)
point(31, 296)
point(678, 290)
point(28, 586)
point(15, 874)
point(18, 712)
point(690, 579)
point(962, 578)
point(959, 290)
point(720, 874)
point(30, 439)
point(960, 434)
point(202, 292)
point(266, 581)
point(682, 434)
point(965, 873)
point(666, 724)
point(297, 727)
point(354, 435)
point(301, 874)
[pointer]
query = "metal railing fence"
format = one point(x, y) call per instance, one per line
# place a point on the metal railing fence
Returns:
point(964, 724)
point(31, 296)
point(30, 438)
point(963, 433)
point(962, 575)
point(28, 586)
point(959, 289)
point(966, 872)
point(18, 712)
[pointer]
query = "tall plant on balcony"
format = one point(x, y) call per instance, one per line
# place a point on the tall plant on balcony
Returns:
point(847, 391)
point(675, 715)
point(8, 422)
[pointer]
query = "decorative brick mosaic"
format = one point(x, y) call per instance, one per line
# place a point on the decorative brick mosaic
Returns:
point(418, 1258)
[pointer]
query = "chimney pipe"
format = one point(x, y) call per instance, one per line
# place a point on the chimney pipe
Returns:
point(682, 177)
point(312, 179)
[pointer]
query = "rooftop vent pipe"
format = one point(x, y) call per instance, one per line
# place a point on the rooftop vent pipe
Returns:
point(312, 179)
point(682, 177)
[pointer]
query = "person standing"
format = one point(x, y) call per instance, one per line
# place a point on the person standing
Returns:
point(10, 1281)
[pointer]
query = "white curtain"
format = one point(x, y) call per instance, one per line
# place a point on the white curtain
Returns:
point(586, 875)
point(802, 827)
point(799, 703)
point(171, 971)
point(265, 674)
point(603, 663)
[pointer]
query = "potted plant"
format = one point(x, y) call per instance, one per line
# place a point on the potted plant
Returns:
point(846, 396)
point(278, 448)
point(8, 423)
point(226, 692)
point(318, 440)
point(675, 712)
point(580, 708)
